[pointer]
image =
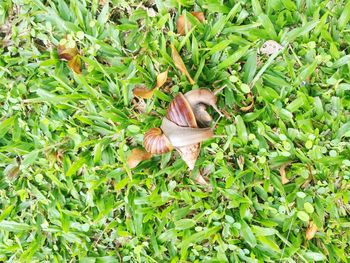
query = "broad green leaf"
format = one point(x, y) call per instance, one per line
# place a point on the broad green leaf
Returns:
point(247, 234)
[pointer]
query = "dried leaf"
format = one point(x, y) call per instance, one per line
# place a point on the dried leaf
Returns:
point(161, 79)
point(270, 47)
point(12, 172)
point(183, 27)
point(311, 230)
point(143, 92)
point(199, 16)
point(136, 156)
point(180, 64)
point(250, 106)
point(75, 64)
point(284, 179)
point(151, 12)
point(66, 53)
point(139, 105)
point(240, 162)
point(200, 179)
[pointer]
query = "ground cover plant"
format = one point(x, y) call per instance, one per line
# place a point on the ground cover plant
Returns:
point(272, 185)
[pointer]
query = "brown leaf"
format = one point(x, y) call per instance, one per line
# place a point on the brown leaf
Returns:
point(136, 156)
point(180, 64)
point(143, 92)
point(250, 106)
point(66, 53)
point(183, 27)
point(75, 64)
point(13, 172)
point(311, 230)
point(161, 79)
point(240, 162)
point(199, 16)
point(284, 179)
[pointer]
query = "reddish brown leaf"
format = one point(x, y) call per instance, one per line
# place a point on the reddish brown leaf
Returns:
point(66, 53)
point(75, 64)
point(311, 230)
point(183, 26)
point(180, 64)
point(136, 156)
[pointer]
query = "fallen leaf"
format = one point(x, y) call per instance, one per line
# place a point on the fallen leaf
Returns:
point(270, 47)
point(200, 179)
point(139, 105)
point(199, 16)
point(240, 162)
point(66, 53)
point(284, 179)
point(180, 64)
point(183, 26)
point(250, 106)
point(311, 230)
point(143, 92)
point(136, 156)
point(75, 64)
point(151, 12)
point(161, 79)
point(12, 171)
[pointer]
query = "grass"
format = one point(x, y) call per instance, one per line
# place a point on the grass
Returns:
point(278, 171)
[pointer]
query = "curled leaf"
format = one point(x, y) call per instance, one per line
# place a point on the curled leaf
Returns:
point(250, 106)
point(180, 64)
point(270, 47)
point(183, 25)
point(143, 92)
point(311, 230)
point(136, 156)
point(284, 178)
point(66, 51)
point(75, 64)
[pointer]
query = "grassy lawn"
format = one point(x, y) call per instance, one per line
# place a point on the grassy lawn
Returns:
point(272, 184)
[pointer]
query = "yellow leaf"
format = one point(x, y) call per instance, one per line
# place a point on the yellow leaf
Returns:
point(180, 64)
point(250, 106)
point(311, 230)
point(136, 156)
point(143, 92)
point(75, 64)
point(161, 79)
